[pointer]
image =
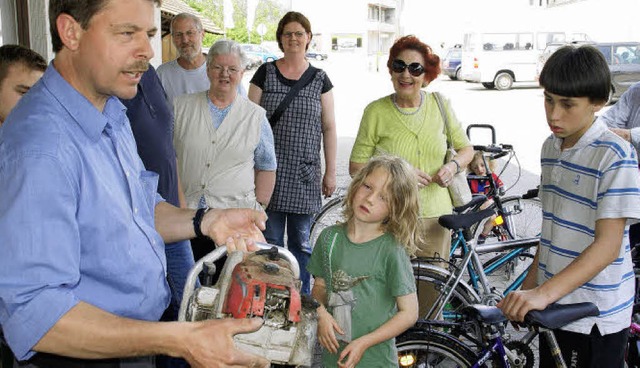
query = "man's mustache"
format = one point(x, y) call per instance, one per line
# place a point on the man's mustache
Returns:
point(139, 66)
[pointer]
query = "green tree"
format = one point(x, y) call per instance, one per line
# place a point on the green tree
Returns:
point(268, 13)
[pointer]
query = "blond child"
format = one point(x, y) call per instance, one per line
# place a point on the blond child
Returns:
point(363, 276)
point(482, 186)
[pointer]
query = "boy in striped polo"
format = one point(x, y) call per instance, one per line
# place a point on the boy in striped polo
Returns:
point(590, 196)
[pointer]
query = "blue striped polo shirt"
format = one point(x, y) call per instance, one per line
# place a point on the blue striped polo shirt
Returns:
point(596, 179)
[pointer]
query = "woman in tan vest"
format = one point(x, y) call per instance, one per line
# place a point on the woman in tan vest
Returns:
point(224, 143)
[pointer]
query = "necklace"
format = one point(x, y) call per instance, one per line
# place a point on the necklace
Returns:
point(395, 103)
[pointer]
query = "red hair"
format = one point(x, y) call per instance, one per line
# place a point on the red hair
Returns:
point(411, 42)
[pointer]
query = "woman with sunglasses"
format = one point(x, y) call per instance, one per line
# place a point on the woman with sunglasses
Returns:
point(307, 122)
point(408, 123)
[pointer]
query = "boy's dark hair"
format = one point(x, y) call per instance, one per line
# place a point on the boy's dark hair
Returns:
point(577, 72)
point(17, 54)
point(81, 10)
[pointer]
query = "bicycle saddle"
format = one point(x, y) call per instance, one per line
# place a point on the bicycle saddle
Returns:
point(484, 313)
point(558, 315)
point(464, 221)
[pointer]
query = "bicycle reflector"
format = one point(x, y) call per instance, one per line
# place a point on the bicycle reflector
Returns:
point(498, 220)
point(406, 359)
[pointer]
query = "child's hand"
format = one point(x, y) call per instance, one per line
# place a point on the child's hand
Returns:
point(352, 354)
point(327, 328)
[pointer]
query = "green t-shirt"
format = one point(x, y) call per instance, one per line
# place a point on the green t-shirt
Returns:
point(418, 138)
point(388, 272)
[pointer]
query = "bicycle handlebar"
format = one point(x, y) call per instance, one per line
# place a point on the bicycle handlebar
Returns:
point(490, 149)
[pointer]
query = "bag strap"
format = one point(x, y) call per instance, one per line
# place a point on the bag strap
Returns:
point(306, 77)
point(328, 253)
point(445, 128)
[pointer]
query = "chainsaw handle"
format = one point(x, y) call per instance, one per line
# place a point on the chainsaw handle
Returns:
point(283, 253)
point(190, 284)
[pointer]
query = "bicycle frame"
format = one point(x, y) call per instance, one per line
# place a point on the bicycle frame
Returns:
point(476, 277)
point(496, 348)
point(478, 274)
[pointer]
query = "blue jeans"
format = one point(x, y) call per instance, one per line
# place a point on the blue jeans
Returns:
point(179, 263)
point(298, 227)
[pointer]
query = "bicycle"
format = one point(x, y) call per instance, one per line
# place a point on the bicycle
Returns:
point(425, 345)
point(454, 293)
point(633, 344)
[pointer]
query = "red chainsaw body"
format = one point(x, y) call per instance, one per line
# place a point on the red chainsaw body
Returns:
point(257, 285)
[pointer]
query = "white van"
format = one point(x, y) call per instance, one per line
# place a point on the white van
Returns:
point(499, 59)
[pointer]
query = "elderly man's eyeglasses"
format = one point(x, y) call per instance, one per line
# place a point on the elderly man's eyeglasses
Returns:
point(231, 70)
point(415, 69)
point(297, 34)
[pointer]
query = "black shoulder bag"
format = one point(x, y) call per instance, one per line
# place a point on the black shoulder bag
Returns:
point(306, 77)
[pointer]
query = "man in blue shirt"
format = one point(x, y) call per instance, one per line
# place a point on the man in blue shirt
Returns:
point(151, 121)
point(623, 118)
point(81, 224)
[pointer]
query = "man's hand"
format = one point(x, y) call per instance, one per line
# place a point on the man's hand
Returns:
point(210, 344)
point(235, 223)
point(624, 133)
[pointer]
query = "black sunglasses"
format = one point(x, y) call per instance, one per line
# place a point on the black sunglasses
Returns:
point(415, 69)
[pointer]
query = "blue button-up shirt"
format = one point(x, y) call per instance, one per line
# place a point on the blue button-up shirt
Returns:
point(625, 114)
point(76, 215)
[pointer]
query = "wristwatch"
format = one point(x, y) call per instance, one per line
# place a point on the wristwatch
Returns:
point(197, 221)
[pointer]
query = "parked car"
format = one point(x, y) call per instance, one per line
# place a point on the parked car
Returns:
point(551, 48)
point(273, 47)
point(254, 61)
point(452, 63)
point(262, 52)
point(624, 64)
point(313, 54)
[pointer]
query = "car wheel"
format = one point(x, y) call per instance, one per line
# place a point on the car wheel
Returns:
point(503, 81)
point(270, 59)
point(319, 57)
point(489, 85)
point(457, 75)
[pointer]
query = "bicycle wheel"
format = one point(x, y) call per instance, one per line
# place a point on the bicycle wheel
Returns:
point(510, 270)
point(523, 216)
point(330, 214)
point(437, 278)
point(420, 348)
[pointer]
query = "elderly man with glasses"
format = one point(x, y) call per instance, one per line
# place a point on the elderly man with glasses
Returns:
point(188, 72)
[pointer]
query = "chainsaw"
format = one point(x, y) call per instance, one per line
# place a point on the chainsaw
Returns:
point(263, 284)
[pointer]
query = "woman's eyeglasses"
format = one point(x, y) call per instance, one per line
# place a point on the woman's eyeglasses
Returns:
point(297, 34)
point(415, 69)
point(219, 69)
